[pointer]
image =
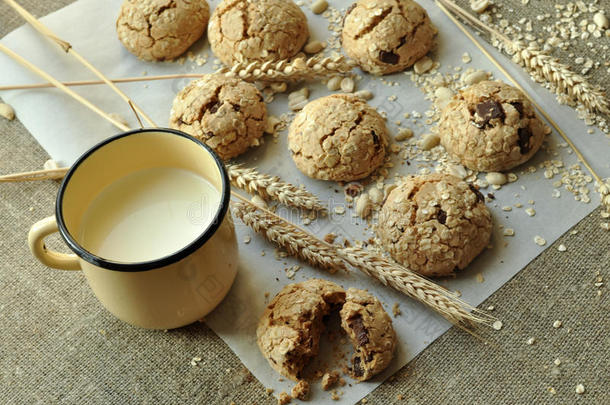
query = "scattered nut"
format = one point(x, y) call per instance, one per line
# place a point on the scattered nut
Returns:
point(364, 94)
point(50, 165)
point(363, 206)
point(404, 134)
point(319, 6)
point(429, 141)
point(7, 111)
point(496, 178)
point(601, 20)
point(347, 85)
point(313, 47)
point(423, 65)
point(475, 77)
point(479, 6)
point(334, 83)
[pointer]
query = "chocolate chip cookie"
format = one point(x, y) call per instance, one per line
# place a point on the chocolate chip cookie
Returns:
point(262, 30)
point(156, 30)
point(370, 330)
point(491, 126)
point(386, 36)
point(290, 328)
point(228, 114)
point(338, 137)
point(434, 224)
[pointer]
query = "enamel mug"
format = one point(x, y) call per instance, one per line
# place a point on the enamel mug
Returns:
point(169, 292)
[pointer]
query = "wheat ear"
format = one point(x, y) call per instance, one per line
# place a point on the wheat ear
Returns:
point(297, 243)
point(298, 69)
point(423, 290)
point(572, 87)
point(272, 187)
point(294, 239)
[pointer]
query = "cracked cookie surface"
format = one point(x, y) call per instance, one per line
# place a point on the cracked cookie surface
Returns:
point(370, 329)
point(228, 114)
point(262, 30)
point(288, 333)
point(338, 137)
point(157, 30)
point(386, 36)
point(491, 126)
point(434, 224)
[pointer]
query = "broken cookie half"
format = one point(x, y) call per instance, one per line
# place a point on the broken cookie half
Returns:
point(289, 331)
point(370, 329)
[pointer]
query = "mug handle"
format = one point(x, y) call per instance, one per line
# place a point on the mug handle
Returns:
point(51, 258)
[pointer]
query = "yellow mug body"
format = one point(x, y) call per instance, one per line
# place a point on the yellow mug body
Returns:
point(165, 293)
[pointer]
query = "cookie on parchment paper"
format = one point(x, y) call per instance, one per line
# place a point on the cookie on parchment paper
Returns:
point(228, 114)
point(289, 330)
point(387, 36)
point(491, 126)
point(261, 30)
point(156, 30)
point(370, 329)
point(338, 137)
point(434, 224)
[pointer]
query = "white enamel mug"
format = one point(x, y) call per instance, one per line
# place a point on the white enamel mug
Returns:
point(165, 293)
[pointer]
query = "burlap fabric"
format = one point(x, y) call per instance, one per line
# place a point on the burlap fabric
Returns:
point(60, 346)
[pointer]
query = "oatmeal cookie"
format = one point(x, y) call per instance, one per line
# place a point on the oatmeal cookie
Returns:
point(491, 126)
point(370, 330)
point(262, 30)
point(338, 137)
point(156, 30)
point(228, 114)
point(386, 36)
point(434, 224)
point(290, 328)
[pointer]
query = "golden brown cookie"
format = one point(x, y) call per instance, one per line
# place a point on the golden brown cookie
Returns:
point(262, 30)
point(228, 114)
point(290, 328)
point(434, 224)
point(157, 30)
point(369, 327)
point(338, 137)
point(491, 126)
point(386, 36)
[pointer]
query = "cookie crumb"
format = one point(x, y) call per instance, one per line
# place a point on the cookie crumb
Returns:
point(283, 399)
point(300, 390)
point(330, 237)
point(268, 391)
point(400, 397)
point(396, 310)
point(329, 379)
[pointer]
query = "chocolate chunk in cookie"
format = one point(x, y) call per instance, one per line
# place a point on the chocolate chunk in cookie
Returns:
point(370, 330)
point(524, 140)
point(486, 111)
point(388, 57)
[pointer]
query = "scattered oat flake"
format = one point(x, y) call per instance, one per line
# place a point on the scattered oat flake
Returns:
point(509, 232)
point(497, 325)
point(480, 278)
point(557, 324)
point(562, 248)
point(539, 240)
point(340, 210)
point(531, 341)
point(557, 362)
point(247, 239)
point(530, 211)
point(491, 308)
point(580, 389)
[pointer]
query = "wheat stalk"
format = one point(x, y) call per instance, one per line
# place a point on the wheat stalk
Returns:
point(298, 69)
point(267, 186)
point(425, 291)
point(572, 88)
point(297, 243)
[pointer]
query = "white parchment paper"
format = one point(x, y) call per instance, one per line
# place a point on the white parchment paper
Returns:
point(66, 129)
